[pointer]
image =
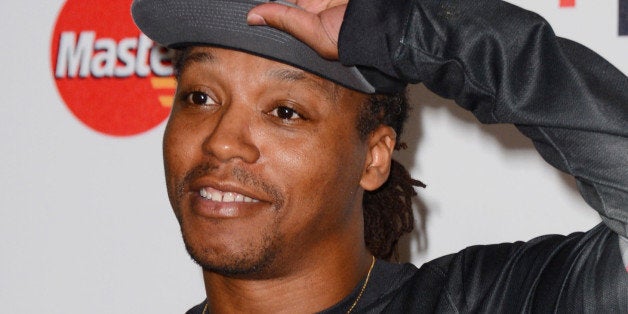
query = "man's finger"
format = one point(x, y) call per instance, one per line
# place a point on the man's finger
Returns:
point(301, 24)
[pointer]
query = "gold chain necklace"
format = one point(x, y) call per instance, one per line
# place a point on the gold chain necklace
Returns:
point(366, 281)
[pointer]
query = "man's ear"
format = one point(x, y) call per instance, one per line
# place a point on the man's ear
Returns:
point(381, 143)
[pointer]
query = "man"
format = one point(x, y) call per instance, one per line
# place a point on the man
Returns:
point(275, 157)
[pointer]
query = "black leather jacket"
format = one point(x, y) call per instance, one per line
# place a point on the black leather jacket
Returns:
point(506, 66)
point(579, 273)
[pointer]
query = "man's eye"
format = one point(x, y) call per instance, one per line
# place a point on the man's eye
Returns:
point(285, 113)
point(200, 98)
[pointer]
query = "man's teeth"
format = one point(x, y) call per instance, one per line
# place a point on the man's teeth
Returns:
point(225, 197)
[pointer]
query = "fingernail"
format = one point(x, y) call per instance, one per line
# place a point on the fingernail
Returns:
point(254, 19)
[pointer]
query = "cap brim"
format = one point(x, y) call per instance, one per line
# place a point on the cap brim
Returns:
point(177, 23)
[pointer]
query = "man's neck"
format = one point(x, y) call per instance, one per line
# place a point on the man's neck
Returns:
point(313, 287)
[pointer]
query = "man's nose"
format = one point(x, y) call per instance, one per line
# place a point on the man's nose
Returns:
point(231, 136)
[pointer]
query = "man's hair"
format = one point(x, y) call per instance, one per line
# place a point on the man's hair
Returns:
point(388, 210)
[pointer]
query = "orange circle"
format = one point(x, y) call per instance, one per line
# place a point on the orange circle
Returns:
point(110, 76)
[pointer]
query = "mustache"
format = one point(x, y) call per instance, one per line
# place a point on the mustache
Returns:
point(242, 176)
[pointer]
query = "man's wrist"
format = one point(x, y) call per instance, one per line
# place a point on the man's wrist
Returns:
point(368, 38)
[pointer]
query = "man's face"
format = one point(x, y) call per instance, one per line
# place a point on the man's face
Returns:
point(263, 163)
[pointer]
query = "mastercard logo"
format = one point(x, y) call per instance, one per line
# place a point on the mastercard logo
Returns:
point(112, 77)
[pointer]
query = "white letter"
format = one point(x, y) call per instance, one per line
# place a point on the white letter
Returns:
point(141, 67)
point(124, 54)
point(71, 56)
point(157, 55)
point(104, 62)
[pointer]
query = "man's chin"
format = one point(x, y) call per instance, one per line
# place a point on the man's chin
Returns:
point(252, 263)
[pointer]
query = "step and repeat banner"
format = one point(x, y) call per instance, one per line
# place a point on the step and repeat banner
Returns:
point(85, 223)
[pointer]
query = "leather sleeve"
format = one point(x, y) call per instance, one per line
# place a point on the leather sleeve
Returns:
point(506, 65)
point(578, 273)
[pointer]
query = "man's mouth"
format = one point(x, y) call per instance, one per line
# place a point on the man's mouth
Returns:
point(225, 197)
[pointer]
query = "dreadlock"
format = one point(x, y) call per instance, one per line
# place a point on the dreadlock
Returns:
point(388, 210)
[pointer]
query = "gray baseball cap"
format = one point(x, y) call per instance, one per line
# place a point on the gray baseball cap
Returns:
point(222, 23)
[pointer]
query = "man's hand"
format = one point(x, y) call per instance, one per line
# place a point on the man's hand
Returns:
point(317, 25)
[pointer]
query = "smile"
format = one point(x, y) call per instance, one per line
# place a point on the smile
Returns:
point(225, 197)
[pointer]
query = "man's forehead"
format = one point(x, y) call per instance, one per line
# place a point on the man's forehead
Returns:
point(204, 55)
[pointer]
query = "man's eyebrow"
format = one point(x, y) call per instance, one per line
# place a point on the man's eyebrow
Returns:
point(287, 75)
point(200, 56)
point(193, 57)
point(294, 75)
